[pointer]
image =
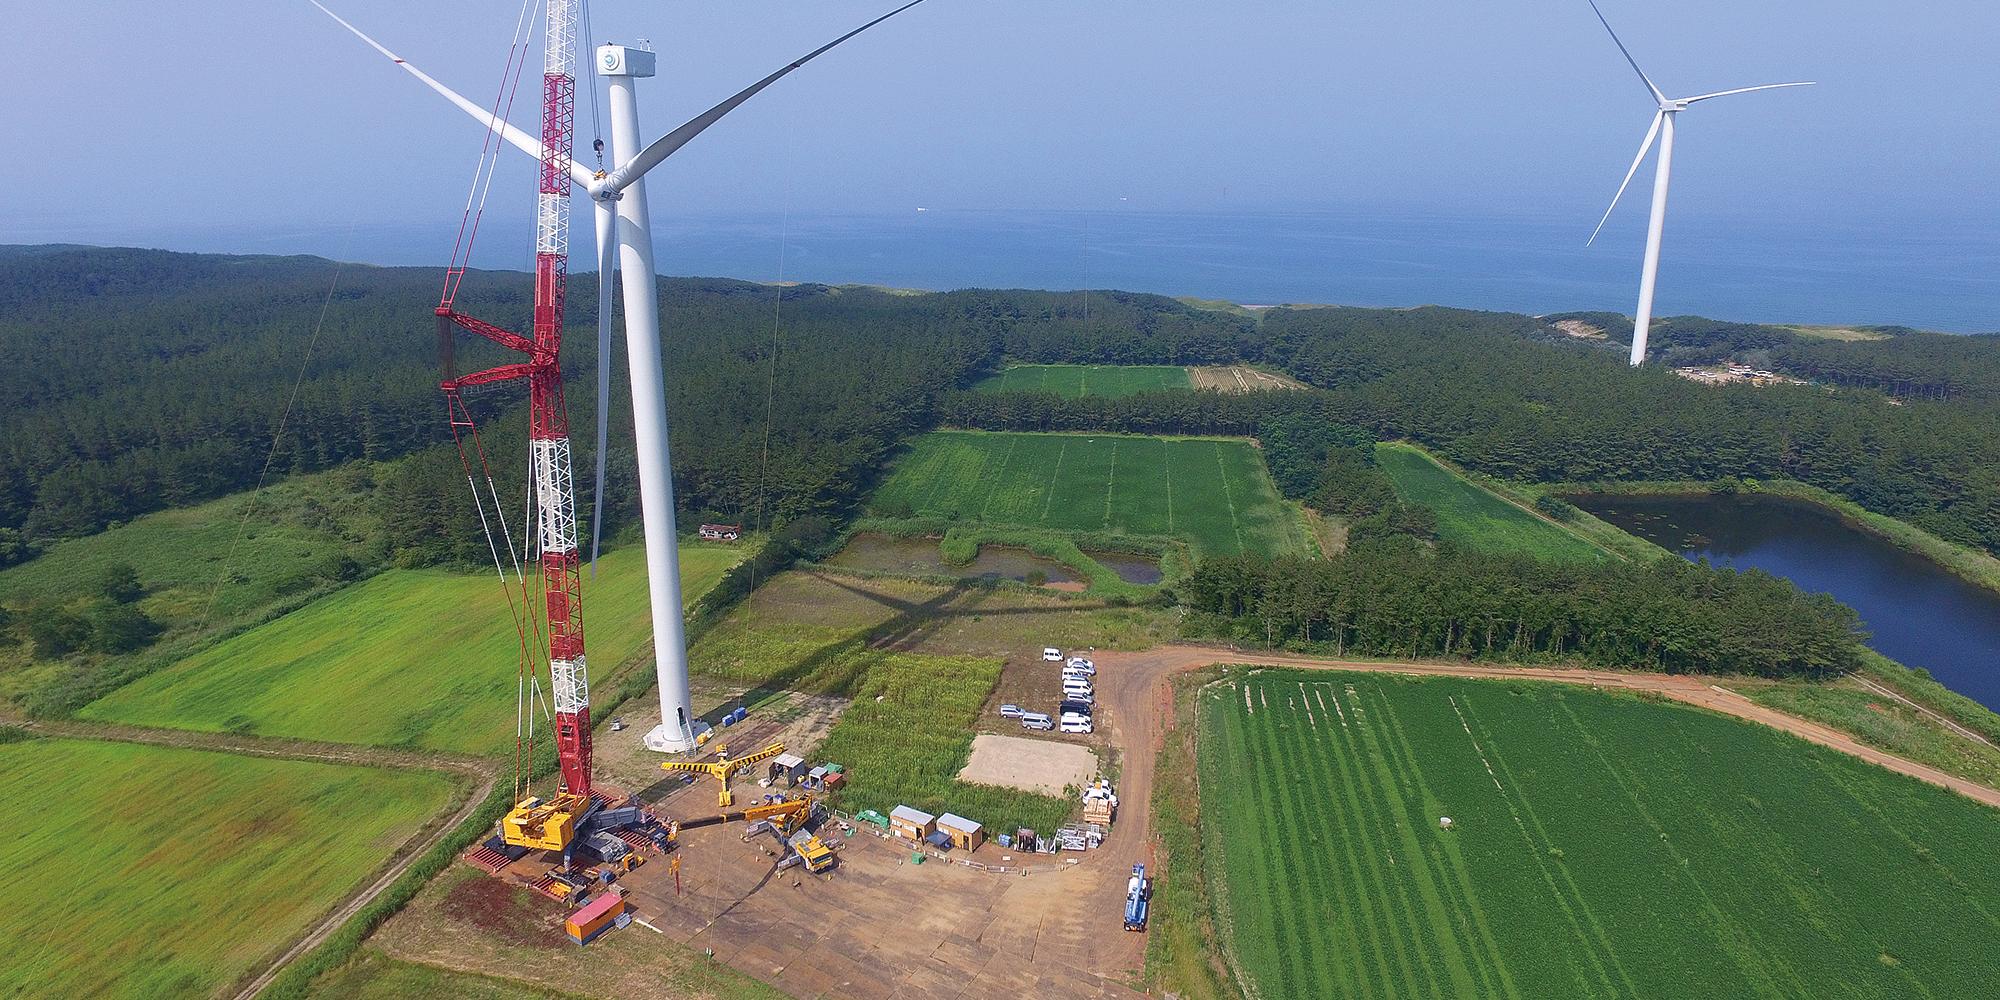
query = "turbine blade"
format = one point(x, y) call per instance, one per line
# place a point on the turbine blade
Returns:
point(1644, 148)
point(668, 144)
point(1747, 90)
point(1658, 97)
point(484, 116)
point(607, 246)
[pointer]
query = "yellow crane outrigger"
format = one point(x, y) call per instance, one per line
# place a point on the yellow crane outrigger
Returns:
point(722, 768)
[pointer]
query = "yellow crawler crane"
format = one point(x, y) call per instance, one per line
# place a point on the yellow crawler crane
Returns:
point(722, 768)
point(544, 824)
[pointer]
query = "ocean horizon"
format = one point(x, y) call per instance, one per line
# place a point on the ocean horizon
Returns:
point(1944, 277)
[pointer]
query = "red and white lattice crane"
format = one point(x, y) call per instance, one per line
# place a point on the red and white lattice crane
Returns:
point(624, 236)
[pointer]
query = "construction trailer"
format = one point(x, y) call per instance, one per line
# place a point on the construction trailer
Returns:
point(787, 767)
point(912, 824)
point(965, 834)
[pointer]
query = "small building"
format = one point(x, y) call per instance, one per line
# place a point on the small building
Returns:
point(594, 918)
point(788, 766)
point(965, 834)
point(721, 532)
point(911, 824)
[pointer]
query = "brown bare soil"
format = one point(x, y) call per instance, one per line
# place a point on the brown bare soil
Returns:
point(1032, 765)
point(1240, 379)
point(509, 912)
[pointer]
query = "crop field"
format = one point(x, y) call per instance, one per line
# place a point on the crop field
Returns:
point(1472, 517)
point(164, 872)
point(1076, 381)
point(419, 658)
point(1600, 845)
point(1213, 492)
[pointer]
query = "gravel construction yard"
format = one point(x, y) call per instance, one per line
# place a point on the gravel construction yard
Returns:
point(1031, 765)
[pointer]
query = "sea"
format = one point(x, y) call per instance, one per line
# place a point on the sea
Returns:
point(1943, 276)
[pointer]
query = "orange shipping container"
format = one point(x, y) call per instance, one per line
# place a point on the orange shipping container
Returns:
point(594, 918)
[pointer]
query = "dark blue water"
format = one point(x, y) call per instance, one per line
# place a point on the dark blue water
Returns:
point(1918, 614)
point(1942, 277)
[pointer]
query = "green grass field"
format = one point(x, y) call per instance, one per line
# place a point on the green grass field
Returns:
point(1213, 492)
point(1472, 517)
point(1076, 381)
point(908, 734)
point(421, 658)
point(1602, 845)
point(206, 568)
point(153, 872)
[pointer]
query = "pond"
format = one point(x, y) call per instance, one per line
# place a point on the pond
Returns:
point(1918, 613)
point(1130, 567)
point(919, 557)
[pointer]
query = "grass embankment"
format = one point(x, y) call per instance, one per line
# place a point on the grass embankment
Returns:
point(1473, 518)
point(1184, 950)
point(1213, 492)
point(1809, 873)
point(1077, 381)
point(208, 571)
point(172, 872)
point(1969, 564)
point(415, 658)
point(1884, 722)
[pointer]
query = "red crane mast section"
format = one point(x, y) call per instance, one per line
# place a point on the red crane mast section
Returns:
point(560, 626)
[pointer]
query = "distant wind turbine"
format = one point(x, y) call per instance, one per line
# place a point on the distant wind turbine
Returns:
point(1663, 130)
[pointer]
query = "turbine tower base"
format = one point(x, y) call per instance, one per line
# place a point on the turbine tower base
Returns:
point(663, 739)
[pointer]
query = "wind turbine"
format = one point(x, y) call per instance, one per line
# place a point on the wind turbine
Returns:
point(624, 228)
point(1663, 130)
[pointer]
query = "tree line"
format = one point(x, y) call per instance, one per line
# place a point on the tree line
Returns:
point(1398, 597)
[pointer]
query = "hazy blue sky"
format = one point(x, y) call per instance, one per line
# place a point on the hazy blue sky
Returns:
point(160, 119)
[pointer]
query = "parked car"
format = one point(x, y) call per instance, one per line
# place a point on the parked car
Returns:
point(1084, 695)
point(1074, 723)
point(1051, 654)
point(1069, 672)
point(1037, 722)
point(1072, 706)
point(1082, 664)
point(1010, 711)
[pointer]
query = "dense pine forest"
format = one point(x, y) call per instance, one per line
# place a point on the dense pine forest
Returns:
point(148, 380)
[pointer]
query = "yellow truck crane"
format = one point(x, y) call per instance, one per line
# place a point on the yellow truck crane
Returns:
point(722, 768)
point(785, 821)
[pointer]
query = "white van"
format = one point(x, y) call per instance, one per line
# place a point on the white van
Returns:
point(1081, 665)
point(1073, 674)
point(1037, 722)
point(1075, 723)
point(1081, 693)
point(1051, 654)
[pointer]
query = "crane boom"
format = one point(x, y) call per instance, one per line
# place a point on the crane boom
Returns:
point(553, 491)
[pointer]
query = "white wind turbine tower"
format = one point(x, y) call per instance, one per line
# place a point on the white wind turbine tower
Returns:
point(624, 228)
point(1662, 129)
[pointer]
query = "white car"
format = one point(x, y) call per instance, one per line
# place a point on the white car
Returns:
point(1081, 665)
point(1083, 694)
point(1073, 674)
point(1051, 654)
point(1075, 723)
